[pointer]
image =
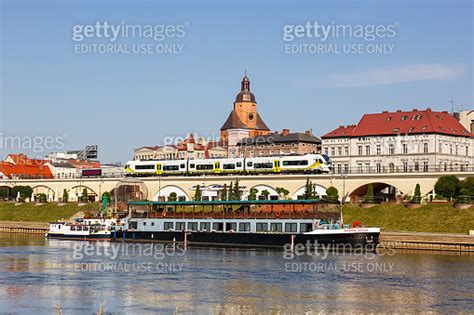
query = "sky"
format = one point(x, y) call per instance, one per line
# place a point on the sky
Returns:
point(57, 97)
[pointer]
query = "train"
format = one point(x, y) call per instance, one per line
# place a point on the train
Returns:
point(309, 163)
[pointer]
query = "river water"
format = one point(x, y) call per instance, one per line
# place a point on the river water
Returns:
point(43, 276)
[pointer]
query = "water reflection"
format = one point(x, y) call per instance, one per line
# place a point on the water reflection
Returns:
point(36, 274)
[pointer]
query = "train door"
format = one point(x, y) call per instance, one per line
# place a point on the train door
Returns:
point(276, 166)
point(217, 167)
point(159, 169)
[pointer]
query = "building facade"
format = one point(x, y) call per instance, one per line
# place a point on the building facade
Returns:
point(244, 121)
point(401, 141)
point(283, 143)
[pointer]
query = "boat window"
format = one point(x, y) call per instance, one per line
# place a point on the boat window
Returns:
point(152, 223)
point(291, 227)
point(133, 224)
point(218, 226)
point(180, 226)
point(192, 226)
point(276, 227)
point(306, 227)
point(262, 227)
point(205, 226)
point(244, 227)
point(231, 227)
point(144, 223)
point(169, 226)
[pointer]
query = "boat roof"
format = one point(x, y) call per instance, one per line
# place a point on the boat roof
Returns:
point(226, 202)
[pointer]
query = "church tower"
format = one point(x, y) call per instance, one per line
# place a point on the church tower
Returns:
point(244, 119)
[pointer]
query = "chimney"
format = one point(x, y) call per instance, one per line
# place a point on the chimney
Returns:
point(415, 109)
point(385, 112)
point(399, 110)
point(308, 132)
point(428, 109)
point(285, 132)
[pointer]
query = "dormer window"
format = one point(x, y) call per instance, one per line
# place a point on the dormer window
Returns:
point(396, 129)
point(389, 118)
point(404, 118)
point(417, 117)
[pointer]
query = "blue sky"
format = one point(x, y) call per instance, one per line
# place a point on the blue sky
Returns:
point(124, 101)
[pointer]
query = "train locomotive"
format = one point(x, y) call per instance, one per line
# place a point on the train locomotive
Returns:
point(309, 163)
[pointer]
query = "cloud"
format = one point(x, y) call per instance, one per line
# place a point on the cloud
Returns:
point(394, 75)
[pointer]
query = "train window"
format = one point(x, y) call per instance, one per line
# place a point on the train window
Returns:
point(230, 166)
point(263, 165)
point(203, 167)
point(295, 163)
point(171, 168)
point(182, 165)
point(249, 164)
point(239, 164)
point(192, 165)
point(145, 167)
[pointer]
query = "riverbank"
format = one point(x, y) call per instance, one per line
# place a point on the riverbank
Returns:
point(29, 212)
point(427, 218)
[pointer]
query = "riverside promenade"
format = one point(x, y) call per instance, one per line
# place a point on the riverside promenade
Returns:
point(427, 241)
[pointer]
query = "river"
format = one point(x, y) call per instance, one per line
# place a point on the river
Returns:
point(42, 276)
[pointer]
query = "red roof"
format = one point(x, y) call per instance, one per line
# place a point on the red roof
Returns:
point(22, 159)
point(83, 163)
point(25, 170)
point(402, 122)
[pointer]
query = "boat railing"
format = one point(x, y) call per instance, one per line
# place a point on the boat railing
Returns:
point(309, 214)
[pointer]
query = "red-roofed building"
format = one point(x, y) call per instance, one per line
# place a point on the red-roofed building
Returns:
point(401, 141)
point(19, 166)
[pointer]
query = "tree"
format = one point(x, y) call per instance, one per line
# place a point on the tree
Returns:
point(231, 192)
point(253, 194)
point(283, 192)
point(173, 196)
point(65, 196)
point(84, 196)
point(237, 192)
point(42, 198)
point(369, 196)
point(265, 193)
point(5, 192)
point(309, 190)
point(448, 186)
point(468, 183)
point(107, 196)
point(332, 193)
point(417, 195)
point(198, 193)
point(25, 192)
point(224, 193)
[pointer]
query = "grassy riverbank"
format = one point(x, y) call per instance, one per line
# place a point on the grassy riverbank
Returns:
point(44, 213)
point(428, 218)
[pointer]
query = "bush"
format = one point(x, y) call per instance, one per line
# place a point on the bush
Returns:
point(332, 194)
point(25, 192)
point(417, 195)
point(468, 184)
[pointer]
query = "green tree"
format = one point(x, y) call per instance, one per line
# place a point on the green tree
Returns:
point(237, 191)
point(42, 197)
point(224, 193)
point(468, 183)
point(198, 193)
point(173, 196)
point(25, 192)
point(283, 192)
point(265, 193)
point(417, 195)
point(5, 192)
point(369, 196)
point(65, 196)
point(107, 195)
point(309, 190)
point(332, 193)
point(231, 191)
point(253, 194)
point(448, 186)
point(84, 196)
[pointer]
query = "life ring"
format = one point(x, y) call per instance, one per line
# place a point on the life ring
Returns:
point(163, 214)
point(278, 214)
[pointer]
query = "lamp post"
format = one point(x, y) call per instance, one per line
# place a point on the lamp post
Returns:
point(344, 197)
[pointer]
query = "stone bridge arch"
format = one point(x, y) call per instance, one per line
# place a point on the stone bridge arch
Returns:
point(383, 191)
point(75, 193)
point(261, 187)
point(320, 191)
point(164, 193)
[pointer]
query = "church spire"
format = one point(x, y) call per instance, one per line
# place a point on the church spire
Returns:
point(245, 83)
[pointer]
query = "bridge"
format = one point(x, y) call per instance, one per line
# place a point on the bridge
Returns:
point(386, 185)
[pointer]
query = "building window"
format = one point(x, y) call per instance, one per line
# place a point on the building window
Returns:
point(451, 149)
point(425, 166)
point(346, 168)
point(326, 151)
point(404, 148)
point(333, 151)
point(359, 168)
point(346, 151)
point(391, 149)
point(367, 167)
point(405, 167)
point(391, 167)
point(425, 147)
point(379, 149)
point(339, 168)
point(339, 151)
point(417, 166)
point(379, 168)
point(440, 147)
point(360, 150)
point(367, 150)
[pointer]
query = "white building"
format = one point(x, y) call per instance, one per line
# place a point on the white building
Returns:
point(401, 141)
point(62, 170)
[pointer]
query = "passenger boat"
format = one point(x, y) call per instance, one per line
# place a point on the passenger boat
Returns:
point(263, 223)
point(79, 231)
